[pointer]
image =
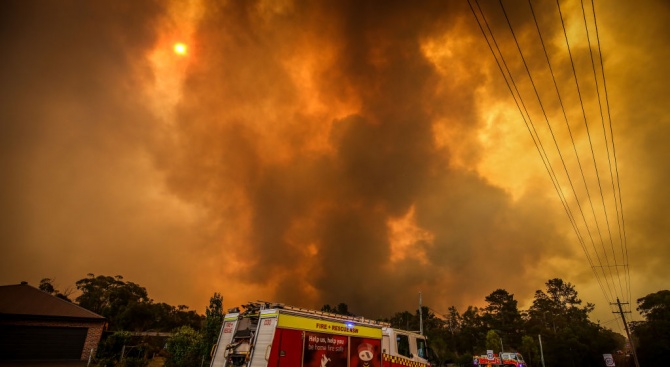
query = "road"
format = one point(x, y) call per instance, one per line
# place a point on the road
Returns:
point(156, 362)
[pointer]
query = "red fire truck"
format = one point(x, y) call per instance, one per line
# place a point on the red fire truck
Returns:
point(505, 359)
point(275, 335)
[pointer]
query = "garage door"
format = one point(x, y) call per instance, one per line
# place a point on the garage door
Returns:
point(39, 342)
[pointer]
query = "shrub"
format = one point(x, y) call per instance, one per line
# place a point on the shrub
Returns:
point(184, 348)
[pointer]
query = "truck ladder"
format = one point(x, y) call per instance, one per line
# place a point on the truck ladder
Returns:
point(245, 333)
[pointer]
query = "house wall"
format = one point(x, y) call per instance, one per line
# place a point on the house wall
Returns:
point(93, 335)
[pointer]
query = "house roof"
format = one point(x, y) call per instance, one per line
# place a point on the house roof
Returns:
point(26, 300)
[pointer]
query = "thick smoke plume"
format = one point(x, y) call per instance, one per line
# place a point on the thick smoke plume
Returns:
point(312, 152)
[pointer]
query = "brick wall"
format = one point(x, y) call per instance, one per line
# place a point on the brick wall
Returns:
point(93, 335)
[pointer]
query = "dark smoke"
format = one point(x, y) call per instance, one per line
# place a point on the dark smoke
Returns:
point(304, 133)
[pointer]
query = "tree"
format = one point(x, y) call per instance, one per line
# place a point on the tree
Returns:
point(558, 307)
point(655, 306)
point(127, 305)
point(529, 349)
point(340, 309)
point(46, 285)
point(121, 345)
point(213, 322)
point(96, 292)
point(404, 320)
point(502, 315)
point(184, 348)
point(430, 322)
point(653, 334)
point(184, 316)
point(473, 332)
point(493, 341)
point(449, 334)
point(122, 303)
point(558, 315)
point(454, 321)
point(164, 317)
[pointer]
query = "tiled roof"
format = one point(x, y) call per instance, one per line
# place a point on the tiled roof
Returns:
point(26, 300)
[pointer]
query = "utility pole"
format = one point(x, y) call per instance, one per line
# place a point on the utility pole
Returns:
point(625, 325)
point(539, 337)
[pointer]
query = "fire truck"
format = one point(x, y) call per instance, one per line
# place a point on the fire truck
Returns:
point(505, 359)
point(276, 335)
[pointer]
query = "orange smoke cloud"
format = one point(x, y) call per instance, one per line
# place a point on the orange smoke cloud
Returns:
point(308, 153)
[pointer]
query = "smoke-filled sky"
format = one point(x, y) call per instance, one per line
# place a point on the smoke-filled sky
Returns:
point(313, 152)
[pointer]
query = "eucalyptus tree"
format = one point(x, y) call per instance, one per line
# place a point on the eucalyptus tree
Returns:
point(653, 334)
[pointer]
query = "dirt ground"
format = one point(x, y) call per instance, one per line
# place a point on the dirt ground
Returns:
point(156, 362)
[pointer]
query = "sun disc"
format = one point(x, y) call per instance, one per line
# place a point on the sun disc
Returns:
point(180, 49)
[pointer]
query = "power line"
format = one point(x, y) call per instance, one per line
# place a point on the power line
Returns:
point(565, 116)
point(622, 226)
point(603, 269)
point(534, 135)
point(538, 143)
point(588, 133)
point(607, 149)
point(554, 139)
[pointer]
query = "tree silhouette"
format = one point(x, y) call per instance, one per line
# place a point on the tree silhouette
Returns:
point(653, 334)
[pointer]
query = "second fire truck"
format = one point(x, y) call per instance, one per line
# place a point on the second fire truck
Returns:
point(505, 359)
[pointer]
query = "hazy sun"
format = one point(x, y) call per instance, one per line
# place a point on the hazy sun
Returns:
point(180, 49)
